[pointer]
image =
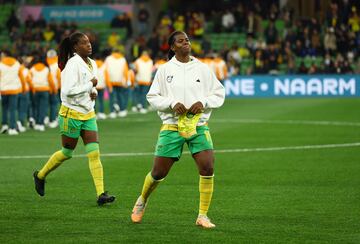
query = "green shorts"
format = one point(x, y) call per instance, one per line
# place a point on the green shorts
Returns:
point(72, 127)
point(170, 143)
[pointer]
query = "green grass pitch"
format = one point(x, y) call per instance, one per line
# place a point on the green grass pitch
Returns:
point(286, 171)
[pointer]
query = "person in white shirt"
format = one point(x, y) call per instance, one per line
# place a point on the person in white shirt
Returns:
point(51, 59)
point(144, 66)
point(11, 85)
point(184, 92)
point(77, 116)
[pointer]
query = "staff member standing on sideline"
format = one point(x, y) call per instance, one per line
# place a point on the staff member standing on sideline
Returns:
point(11, 85)
point(143, 70)
point(52, 61)
point(77, 116)
point(184, 92)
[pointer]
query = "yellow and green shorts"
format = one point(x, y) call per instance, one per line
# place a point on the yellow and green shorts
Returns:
point(170, 143)
point(71, 122)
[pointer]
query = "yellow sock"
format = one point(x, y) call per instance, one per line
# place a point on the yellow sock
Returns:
point(54, 161)
point(96, 170)
point(149, 185)
point(206, 187)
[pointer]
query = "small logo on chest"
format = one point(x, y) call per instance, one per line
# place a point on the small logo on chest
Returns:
point(198, 80)
point(169, 78)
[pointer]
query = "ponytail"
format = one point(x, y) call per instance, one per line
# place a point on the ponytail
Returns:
point(171, 41)
point(171, 54)
point(66, 48)
point(64, 52)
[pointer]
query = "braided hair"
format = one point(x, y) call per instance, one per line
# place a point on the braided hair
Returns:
point(171, 41)
point(66, 48)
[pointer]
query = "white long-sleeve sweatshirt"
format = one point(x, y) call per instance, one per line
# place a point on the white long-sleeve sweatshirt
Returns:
point(186, 83)
point(76, 85)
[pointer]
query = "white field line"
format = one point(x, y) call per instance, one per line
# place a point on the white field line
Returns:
point(298, 122)
point(235, 150)
point(263, 121)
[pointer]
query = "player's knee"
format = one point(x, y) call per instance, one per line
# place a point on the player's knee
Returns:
point(207, 170)
point(158, 174)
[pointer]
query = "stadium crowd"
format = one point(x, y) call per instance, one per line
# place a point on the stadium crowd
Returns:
point(274, 42)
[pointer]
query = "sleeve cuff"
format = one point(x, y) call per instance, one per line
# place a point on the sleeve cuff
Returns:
point(172, 104)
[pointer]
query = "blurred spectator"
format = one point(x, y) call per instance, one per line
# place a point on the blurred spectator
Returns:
point(216, 18)
point(117, 21)
point(347, 69)
point(114, 40)
point(138, 47)
point(234, 53)
point(299, 49)
point(37, 35)
point(330, 40)
point(357, 66)
point(206, 45)
point(128, 25)
point(240, 17)
point(14, 34)
point(40, 22)
point(165, 27)
point(354, 20)
point(250, 44)
point(228, 21)
point(333, 16)
point(329, 67)
point(12, 21)
point(251, 23)
point(302, 68)
point(271, 34)
point(313, 69)
point(153, 44)
point(179, 23)
point(196, 25)
point(272, 59)
point(315, 43)
point(48, 34)
point(29, 22)
point(143, 19)
point(259, 62)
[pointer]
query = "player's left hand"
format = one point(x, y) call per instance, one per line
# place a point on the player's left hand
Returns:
point(93, 95)
point(196, 108)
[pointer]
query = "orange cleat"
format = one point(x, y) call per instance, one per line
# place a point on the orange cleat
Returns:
point(138, 210)
point(204, 222)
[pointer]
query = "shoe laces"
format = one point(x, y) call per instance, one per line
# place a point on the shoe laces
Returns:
point(139, 207)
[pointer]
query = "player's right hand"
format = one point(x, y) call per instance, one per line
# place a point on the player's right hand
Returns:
point(179, 108)
point(94, 81)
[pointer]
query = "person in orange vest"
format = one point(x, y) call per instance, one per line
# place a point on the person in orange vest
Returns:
point(116, 72)
point(134, 93)
point(11, 85)
point(24, 98)
point(143, 74)
point(52, 61)
point(221, 70)
point(100, 87)
point(43, 85)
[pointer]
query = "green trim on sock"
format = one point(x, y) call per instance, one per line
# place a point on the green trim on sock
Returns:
point(92, 146)
point(67, 152)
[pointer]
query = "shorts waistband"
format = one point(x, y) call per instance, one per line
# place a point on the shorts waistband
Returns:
point(174, 127)
point(73, 114)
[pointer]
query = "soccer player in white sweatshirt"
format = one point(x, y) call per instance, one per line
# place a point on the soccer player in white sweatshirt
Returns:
point(184, 92)
point(77, 115)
